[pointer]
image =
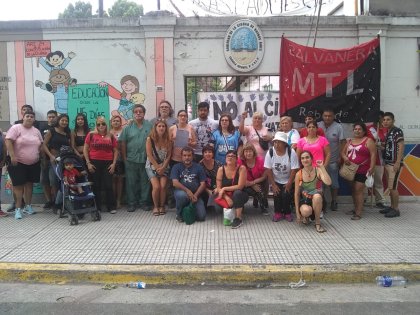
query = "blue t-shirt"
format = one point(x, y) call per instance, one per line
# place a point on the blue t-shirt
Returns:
point(190, 177)
point(220, 148)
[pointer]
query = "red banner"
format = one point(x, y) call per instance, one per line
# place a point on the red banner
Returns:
point(346, 80)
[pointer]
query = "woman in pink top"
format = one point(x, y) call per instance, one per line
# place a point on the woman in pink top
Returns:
point(23, 142)
point(255, 132)
point(256, 178)
point(360, 150)
point(101, 153)
point(317, 145)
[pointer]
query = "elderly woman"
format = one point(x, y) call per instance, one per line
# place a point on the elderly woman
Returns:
point(23, 142)
point(255, 133)
point(225, 138)
point(166, 113)
point(282, 164)
point(286, 125)
point(255, 175)
point(360, 150)
point(101, 153)
point(211, 166)
point(230, 181)
point(308, 191)
point(317, 145)
point(158, 150)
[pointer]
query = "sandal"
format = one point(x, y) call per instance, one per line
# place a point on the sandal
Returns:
point(305, 220)
point(356, 217)
point(319, 228)
point(350, 212)
point(162, 211)
point(156, 212)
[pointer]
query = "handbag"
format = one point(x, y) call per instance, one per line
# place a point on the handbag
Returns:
point(263, 144)
point(188, 214)
point(348, 171)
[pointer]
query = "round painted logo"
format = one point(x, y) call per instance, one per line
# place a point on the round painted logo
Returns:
point(244, 45)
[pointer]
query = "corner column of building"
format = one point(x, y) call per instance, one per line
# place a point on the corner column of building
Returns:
point(159, 36)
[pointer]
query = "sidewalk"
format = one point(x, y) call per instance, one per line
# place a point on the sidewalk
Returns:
point(159, 250)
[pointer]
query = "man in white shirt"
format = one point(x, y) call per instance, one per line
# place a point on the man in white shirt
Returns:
point(203, 127)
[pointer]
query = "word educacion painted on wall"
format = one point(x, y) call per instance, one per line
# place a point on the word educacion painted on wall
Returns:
point(90, 100)
point(235, 104)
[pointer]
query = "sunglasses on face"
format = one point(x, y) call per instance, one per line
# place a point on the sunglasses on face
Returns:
point(100, 124)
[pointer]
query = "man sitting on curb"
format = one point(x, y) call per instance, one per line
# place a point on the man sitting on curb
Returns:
point(189, 180)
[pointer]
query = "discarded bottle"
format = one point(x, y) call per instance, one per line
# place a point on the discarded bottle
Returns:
point(387, 281)
point(136, 285)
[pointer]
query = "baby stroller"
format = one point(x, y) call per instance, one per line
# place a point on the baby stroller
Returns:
point(76, 205)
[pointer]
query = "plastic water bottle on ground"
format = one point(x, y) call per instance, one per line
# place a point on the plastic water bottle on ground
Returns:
point(137, 285)
point(387, 281)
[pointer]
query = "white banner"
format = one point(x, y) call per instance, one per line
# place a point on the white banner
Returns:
point(235, 103)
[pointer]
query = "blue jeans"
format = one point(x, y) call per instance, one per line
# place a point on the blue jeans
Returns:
point(182, 201)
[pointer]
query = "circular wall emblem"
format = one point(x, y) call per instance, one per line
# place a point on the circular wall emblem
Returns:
point(244, 45)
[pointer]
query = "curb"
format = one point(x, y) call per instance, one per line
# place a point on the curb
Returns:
point(166, 275)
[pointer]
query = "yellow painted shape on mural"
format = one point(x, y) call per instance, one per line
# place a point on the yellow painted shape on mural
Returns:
point(413, 163)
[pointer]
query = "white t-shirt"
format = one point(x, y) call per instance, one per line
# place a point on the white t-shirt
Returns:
point(203, 130)
point(281, 166)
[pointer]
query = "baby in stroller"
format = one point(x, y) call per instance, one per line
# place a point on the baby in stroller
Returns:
point(70, 174)
point(75, 193)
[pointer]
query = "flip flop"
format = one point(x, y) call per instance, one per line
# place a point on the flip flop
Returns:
point(319, 228)
point(156, 212)
point(356, 217)
point(305, 220)
point(350, 212)
point(162, 211)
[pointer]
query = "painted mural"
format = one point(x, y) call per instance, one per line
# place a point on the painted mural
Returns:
point(51, 75)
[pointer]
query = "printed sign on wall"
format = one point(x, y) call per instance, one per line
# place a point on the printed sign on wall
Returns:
point(89, 99)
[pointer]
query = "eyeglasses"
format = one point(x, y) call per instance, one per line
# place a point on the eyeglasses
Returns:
point(224, 120)
point(231, 156)
point(100, 124)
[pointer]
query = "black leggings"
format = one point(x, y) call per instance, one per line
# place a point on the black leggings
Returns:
point(99, 178)
point(282, 200)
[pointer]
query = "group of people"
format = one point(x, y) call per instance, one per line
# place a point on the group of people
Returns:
point(205, 162)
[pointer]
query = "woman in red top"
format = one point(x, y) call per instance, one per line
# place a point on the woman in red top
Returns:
point(360, 150)
point(256, 176)
point(101, 153)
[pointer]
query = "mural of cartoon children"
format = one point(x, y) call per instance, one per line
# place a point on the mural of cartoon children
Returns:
point(130, 86)
point(55, 61)
point(59, 83)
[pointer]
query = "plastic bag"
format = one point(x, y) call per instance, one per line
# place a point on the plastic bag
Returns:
point(228, 216)
point(369, 181)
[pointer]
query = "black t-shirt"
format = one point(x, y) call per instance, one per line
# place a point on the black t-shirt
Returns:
point(392, 138)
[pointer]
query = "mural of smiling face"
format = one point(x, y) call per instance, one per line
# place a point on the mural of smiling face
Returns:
point(59, 76)
point(55, 59)
point(129, 87)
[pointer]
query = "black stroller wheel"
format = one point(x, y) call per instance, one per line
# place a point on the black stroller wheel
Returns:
point(74, 220)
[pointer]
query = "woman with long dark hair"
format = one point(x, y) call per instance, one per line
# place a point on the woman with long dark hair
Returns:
point(79, 133)
point(225, 138)
point(118, 177)
point(58, 136)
